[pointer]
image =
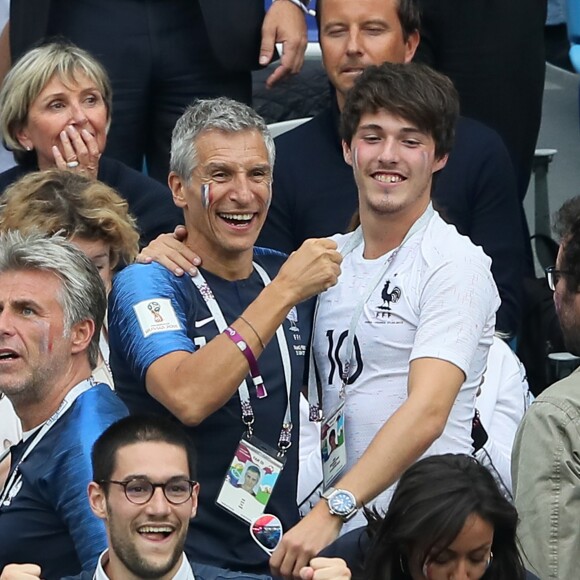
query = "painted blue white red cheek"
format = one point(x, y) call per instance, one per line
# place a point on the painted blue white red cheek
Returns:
point(269, 196)
point(205, 195)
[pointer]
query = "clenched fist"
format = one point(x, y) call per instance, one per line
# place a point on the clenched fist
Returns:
point(310, 270)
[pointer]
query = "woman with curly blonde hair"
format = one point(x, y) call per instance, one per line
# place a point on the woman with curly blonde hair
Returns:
point(91, 214)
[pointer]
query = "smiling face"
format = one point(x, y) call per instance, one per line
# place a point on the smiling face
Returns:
point(354, 35)
point(226, 200)
point(466, 558)
point(33, 346)
point(145, 541)
point(393, 163)
point(61, 104)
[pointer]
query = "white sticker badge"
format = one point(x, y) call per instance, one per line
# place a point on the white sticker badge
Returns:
point(156, 315)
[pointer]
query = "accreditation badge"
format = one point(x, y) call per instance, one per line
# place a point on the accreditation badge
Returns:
point(333, 446)
point(250, 480)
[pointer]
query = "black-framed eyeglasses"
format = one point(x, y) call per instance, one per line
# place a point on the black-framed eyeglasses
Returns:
point(553, 275)
point(139, 490)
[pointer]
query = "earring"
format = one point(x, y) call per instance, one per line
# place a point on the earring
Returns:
point(401, 564)
point(28, 148)
point(490, 559)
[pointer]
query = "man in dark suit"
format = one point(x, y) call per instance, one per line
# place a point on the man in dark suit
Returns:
point(493, 51)
point(162, 54)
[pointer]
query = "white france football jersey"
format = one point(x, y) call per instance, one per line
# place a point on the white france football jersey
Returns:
point(437, 299)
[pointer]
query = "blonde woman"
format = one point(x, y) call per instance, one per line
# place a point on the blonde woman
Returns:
point(55, 112)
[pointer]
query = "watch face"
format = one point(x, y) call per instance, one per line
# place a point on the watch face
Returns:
point(342, 503)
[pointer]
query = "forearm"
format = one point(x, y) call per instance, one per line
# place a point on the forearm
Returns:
point(203, 381)
point(433, 385)
point(194, 385)
point(399, 443)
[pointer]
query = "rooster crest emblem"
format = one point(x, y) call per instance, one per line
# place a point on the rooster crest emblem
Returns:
point(155, 308)
point(389, 297)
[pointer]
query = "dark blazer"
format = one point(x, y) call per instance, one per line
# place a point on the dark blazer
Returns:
point(234, 28)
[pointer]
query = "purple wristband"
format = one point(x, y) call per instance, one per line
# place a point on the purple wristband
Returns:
point(245, 349)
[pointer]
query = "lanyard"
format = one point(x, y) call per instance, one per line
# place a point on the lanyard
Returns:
point(353, 242)
point(15, 480)
point(284, 441)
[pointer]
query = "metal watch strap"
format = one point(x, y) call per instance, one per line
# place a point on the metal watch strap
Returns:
point(329, 492)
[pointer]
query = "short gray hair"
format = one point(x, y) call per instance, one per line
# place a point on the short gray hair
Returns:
point(221, 114)
point(31, 73)
point(82, 294)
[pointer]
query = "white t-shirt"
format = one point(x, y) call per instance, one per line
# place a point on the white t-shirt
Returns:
point(502, 402)
point(436, 299)
point(10, 428)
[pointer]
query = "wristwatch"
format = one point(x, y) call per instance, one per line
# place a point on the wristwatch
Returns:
point(341, 503)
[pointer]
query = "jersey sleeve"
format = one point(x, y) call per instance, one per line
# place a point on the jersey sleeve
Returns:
point(148, 314)
point(457, 310)
point(502, 403)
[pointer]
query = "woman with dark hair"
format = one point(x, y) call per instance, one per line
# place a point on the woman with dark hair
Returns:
point(447, 520)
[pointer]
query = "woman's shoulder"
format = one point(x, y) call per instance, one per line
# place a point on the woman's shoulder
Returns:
point(11, 175)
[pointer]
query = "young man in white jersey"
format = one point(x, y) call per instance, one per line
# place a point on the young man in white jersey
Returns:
point(405, 333)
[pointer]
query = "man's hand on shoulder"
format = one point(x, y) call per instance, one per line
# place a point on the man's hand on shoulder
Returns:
point(20, 572)
point(170, 251)
point(284, 24)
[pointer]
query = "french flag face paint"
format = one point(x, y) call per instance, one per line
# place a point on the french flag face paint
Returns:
point(269, 196)
point(205, 195)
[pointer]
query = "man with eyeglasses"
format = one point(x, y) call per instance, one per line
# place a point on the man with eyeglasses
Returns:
point(144, 490)
point(545, 459)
